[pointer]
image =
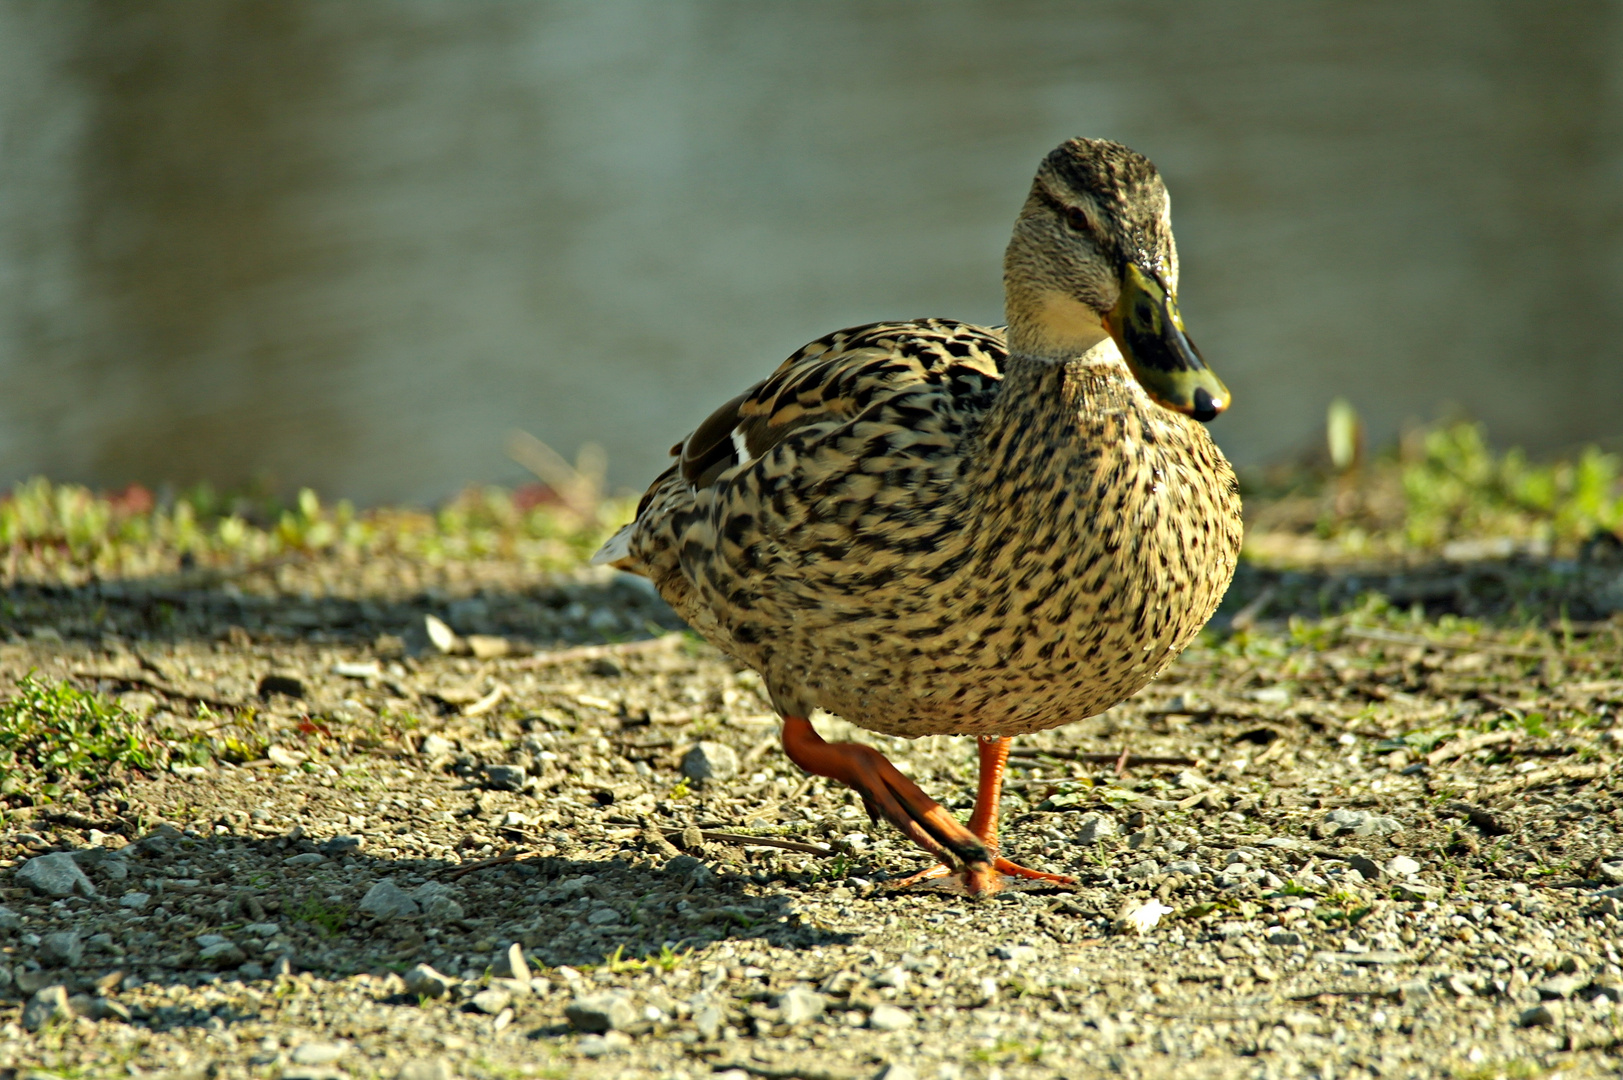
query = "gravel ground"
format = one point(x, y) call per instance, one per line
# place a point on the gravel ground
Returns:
point(485, 844)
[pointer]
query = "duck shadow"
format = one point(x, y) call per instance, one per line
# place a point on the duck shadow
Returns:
point(550, 612)
point(197, 911)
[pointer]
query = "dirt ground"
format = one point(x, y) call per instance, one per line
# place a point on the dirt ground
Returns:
point(1370, 826)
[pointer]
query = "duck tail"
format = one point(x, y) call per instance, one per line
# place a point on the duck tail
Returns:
point(616, 551)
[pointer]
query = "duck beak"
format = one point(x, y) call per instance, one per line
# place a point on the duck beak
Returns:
point(1149, 331)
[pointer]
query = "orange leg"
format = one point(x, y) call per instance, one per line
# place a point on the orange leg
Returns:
point(887, 793)
point(994, 760)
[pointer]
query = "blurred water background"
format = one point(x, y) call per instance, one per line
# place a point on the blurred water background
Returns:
point(353, 245)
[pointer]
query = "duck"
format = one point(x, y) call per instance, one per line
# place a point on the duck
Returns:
point(929, 527)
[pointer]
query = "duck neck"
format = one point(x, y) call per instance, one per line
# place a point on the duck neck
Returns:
point(1045, 322)
point(1051, 328)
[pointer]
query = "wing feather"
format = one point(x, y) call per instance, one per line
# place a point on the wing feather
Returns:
point(835, 379)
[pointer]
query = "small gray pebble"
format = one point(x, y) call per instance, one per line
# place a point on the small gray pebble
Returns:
point(435, 746)
point(1540, 1016)
point(437, 901)
point(889, 1018)
point(103, 1008)
point(1561, 986)
point(62, 949)
point(221, 954)
point(690, 867)
point(1414, 991)
point(31, 982)
point(319, 1053)
point(1094, 827)
point(602, 1012)
point(9, 919)
point(385, 900)
point(514, 987)
point(798, 1005)
point(1285, 937)
point(1018, 954)
point(55, 875)
point(135, 900)
point(351, 669)
point(492, 1001)
point(707, 1019)
point(426, 1069)
point(308, 858)
point(510, 964)
point(115, 867)
point(505, 777)
point(1365, 866)
point(49, 1005)
point(897, 1071)
point(1358, 823)
point(424, 981)
point(710, 761)
point(895, 977)
point(339, 846)
point(1401, 866)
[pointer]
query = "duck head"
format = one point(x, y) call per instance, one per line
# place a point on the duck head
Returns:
point(1093, 256)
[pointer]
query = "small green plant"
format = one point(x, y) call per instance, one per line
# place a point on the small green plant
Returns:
point(669, 959)
point(53, 735)
point(1519, 1069)
point(834, 869)
point(1008, 1051)
point(326, 916)
point(1341, 907)
point(1535, 726)
point(617, 964)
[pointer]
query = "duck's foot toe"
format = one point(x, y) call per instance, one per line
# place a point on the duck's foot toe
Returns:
point(983, 879)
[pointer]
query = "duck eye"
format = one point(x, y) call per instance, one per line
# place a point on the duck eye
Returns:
point(1076, 219)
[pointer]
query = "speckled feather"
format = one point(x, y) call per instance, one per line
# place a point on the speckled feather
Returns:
point(909, 529)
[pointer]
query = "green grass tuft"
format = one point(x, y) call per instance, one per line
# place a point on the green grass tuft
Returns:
point(68, 533)
point(1459, 487)
point(52, 736)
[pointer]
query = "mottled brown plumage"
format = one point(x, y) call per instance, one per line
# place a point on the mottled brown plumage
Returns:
point(929, 527)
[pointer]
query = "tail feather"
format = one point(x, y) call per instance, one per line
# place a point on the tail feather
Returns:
point(615, 550)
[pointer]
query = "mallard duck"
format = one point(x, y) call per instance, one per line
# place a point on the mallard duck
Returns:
point(930, 527)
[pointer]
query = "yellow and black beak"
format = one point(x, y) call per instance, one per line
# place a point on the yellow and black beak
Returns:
point(1149, 331)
